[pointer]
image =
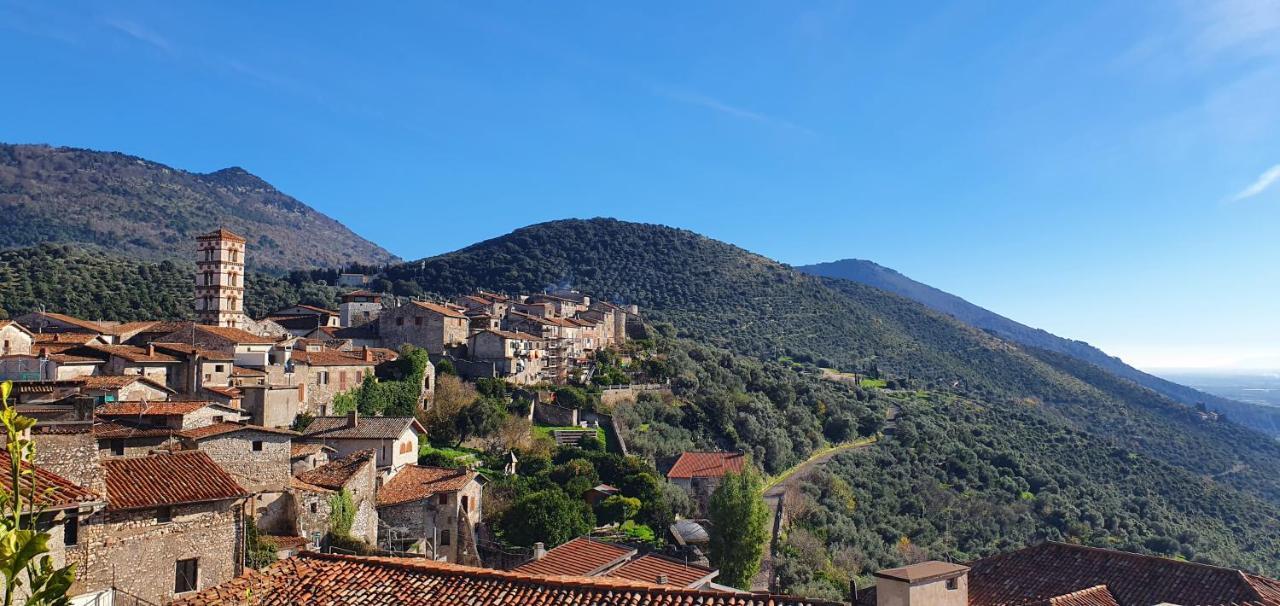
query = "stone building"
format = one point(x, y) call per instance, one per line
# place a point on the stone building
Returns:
point(435, 327)
point(128, 360)
point(700, 473)
point(179, 414)
point(433, 511)
point(259, 458)
point(219, 279)
point(45, 366)
point(70, 450)
point(172, 526)
point(326, 373)
point(14, 338)
point(356, 473)
point(305, 457)
point(115, 388)
point(516, 356)
point(359, 307)
point(394, 440)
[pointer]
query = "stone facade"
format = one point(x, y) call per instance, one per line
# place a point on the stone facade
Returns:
point(14, 339)
point(258, 460)
point(431, 326)
point(271, 405)
point(360, 307)
point(137, 553)
point(436, 526)
point(72, 455)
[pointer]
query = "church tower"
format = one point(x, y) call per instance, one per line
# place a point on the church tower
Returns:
point(220, 279)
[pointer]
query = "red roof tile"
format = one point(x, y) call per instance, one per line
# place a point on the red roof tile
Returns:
point(440, 309)
point(418, 482)
point(331, 357)
point(130, 409)
point(167, 479)
point(220, 429)
point(581, 557)
point(312, 578)
point(707, 464)
point(648, 568)
point(221, 233)
point(1093, 596)
point(51, 491)
point(111, 430)
point(1051, 570)
point(102, 382)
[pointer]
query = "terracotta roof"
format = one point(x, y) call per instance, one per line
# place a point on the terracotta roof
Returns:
point(319, 310)
point(50, 490)
point(648, 568)
point(113, 430)
point(70, 359)
point(167, 479)
point(707, 464)
point(117, 382)
point(93, 327)
point(361, 293)
point(240, 371)
point(1053, 570)
point(133, 354)
point(312, 578)
point(229, 392)
point(366, 428)
point(335, 474)
point(221, 233)
point(4, 323)
point(214, 336)
point(303, 449)
point(331, 358)
point(75, 338)
point(285, 542)
point(1093, 596)
point(220, 429)
point(418, 482)
point(131, 329)
point(297, 484)
point(517, 335)
point(440, 309)
point(150, 408)
point(581, 557)
point(211, 355)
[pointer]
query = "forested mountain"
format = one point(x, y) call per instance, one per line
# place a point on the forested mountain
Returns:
point(130, 206)
point(1263, 418)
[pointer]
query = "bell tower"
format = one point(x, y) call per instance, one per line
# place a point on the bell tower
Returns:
point(220, 279)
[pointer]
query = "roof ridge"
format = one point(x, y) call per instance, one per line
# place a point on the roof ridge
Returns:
point(1142, 556)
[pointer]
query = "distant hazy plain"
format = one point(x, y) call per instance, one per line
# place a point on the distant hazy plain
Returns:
point(1253, 388)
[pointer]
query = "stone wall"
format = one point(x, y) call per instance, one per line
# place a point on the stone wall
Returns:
point(323, 383)
point(311, 513)
point(550, 414)
point(73, 456)
point(427, 522)
point(423, 328)
point(266, 470)
point(363, 486)
point(131, 550)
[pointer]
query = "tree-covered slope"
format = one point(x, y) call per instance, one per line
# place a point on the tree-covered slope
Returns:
point(1262, 418)
point(85, 284)
point(725, 296)
point(141, 209)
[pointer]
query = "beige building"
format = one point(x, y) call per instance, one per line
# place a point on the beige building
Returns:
point(516, 356)
point(394, 440)
point(435, 327)
point(359, 307)
point(220, 279)
point(325, 373)
point(14, 338)
point(433, 511)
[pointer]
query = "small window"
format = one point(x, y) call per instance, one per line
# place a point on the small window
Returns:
point(315, 508)
point(117, 448)
point(444, 538)
point(219, 419)
point(257, 445)
point(443, 499)
point(71, 530)
point(219, 368)
point(465, 502)
point(953, 584)
point(186, 575)
point(164, 515)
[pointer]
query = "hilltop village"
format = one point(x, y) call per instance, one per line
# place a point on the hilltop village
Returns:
point(319, 456)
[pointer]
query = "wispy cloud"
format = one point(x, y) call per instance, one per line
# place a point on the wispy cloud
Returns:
point(711, 103)
point(1259, 185)
point(141, 33)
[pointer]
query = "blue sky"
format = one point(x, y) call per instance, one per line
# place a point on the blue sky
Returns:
point(1106, 171)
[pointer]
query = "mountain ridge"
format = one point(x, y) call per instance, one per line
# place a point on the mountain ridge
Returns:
point(872, 274)
point(132, 206)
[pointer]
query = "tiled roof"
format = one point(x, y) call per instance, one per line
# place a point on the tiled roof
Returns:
point(214, 336)
point(297, 484)
point(240, 371)
point(167, 479)
point(298, 322)
point(221, 233)
point(4, 323)
point(923, 572)
point(301, 449)
point(229, 392)
point(334, 474)
point(707, 464)
point(312, 578)
point(319, 310)
point(366, 428)
point(132, 354)
point(331, 358)
point(440, 309)
point(581, 557)
point(285, 542)
point(220, 429)
point(648, 568)
point(1050, 570)
point(119, 409)
point(75, 338)
point(417, 482)
point(517, 335)
point(52, 491)
point(1093, 596)
point(117, 382)
point(74, 321)
point(70, 359)
point(118, 431)
point(207, 354)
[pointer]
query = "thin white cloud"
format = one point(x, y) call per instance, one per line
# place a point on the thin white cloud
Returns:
point(711, 103)
point(1261, 184)
point(141, 33)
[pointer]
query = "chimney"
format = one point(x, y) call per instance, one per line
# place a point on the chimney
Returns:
point(924, 584)
point(539, 551)
point(662, 579)
point(368, 354)
point(151, 350)
point(353, 418)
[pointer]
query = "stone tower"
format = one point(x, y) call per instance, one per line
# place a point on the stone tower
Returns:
point(220, 279)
